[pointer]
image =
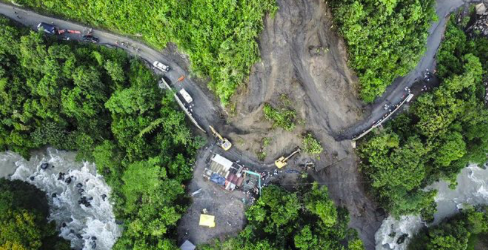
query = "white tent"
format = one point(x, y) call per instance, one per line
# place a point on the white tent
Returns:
point(222, 161)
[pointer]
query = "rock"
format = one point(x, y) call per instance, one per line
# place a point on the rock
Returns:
point(31, 178)
point(81, 190)
point(94, 238)
point(64, 224)
point(104, 196)
point(44, 166)
point(54, 195)
point(61, 176)
point(68, 180)
point(79, 185)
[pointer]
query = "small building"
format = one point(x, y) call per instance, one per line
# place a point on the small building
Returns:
point(187, 245)
point(207, 220)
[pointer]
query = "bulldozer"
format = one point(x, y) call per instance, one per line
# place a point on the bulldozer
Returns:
point(283, 161)
point(224, 143)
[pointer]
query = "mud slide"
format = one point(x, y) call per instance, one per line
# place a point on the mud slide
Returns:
point(304, 59)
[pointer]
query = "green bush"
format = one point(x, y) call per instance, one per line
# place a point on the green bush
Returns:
point(283, 118)
point(218, 35)
point(306, 220)
point(458, 232)
point(23, 218)
point(109, 109)
point(385, 39)
point(444, 130)
point(311, 145)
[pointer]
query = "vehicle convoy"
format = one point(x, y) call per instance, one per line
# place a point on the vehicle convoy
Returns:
point(223, 142)
point(47, 28)
point(90, 38)
point(283, 161)
point(186, 96)
point(159, 65)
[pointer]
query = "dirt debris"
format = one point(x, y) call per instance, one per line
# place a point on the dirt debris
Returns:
point(303, 58)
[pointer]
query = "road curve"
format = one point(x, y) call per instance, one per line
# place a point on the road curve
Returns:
point(204, 110)
point(395, 93)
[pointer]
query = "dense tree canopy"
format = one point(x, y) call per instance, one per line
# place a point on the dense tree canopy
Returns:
point(108, 107)
point(443, 131)
point(385, 38)
point(23, 219)
point(218, 35)
point(459, 232)
point(306, 219)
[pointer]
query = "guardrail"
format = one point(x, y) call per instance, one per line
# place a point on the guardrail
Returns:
point(182, 106)
point(377, 124)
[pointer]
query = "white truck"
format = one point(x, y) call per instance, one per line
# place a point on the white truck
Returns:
point(186, 96)
point(159, 65)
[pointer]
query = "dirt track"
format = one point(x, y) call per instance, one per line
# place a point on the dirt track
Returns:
point(322, 90)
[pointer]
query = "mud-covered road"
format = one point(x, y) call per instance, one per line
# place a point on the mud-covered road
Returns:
point(304, 60)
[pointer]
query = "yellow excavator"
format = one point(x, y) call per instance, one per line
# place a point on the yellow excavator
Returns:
point(224, 143)
point(283, 161)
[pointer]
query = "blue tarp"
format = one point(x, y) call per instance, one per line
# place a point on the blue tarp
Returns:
point(217, 179)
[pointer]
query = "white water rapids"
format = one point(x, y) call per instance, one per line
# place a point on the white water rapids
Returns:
point(472, 189)
point(79, 198)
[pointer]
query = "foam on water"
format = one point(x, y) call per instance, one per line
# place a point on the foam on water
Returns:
point(78, 197)
point(472, 189)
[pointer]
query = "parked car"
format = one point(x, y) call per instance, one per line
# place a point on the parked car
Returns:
point(159, 65)
point(89, 38)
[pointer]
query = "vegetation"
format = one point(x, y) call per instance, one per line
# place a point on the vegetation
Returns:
point(306, 219)
point(458, 232)
point(107, 107)
point(312, 145)
point(218, 35)
point(283, 118)
point(443, 131)
point(23, 219)
point(385, 39)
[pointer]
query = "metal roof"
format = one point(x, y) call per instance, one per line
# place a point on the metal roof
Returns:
point(222, 161)
point(187, 245)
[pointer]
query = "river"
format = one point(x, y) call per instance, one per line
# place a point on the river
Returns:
point(79, 198)
point(472, 189)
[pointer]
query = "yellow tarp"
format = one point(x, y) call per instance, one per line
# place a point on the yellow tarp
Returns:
point(207, 220)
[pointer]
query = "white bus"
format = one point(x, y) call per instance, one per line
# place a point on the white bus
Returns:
point(186, 96)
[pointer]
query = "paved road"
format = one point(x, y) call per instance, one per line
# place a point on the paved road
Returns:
point(204, 110)
point(395, 93)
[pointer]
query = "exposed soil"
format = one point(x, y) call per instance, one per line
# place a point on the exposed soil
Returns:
point(304, 59)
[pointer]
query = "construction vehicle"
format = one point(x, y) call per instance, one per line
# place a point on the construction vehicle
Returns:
point(283, 161)
point(224, 143)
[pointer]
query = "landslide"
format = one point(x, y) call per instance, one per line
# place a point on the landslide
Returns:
point(304, 60)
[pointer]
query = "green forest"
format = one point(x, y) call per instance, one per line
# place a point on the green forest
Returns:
point(219, 36)
point(23, 219)
point(442, 132)
point(108, 107)
point(306, 219)
point(462, 231)
point(385, 38)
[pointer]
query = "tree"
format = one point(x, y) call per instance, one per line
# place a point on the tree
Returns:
point(23, 218)
point(305, 219)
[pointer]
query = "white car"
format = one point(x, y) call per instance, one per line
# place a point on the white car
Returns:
point(159, 65)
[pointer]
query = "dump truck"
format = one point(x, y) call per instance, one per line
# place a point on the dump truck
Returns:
point(283, 160)
point(224, 143)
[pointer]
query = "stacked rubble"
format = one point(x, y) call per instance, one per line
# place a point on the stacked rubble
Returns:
point(480, 27)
